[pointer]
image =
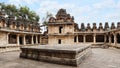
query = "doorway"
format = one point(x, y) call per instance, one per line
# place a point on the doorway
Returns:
point(59, 41)
point(34, 39)
point(60, 29)
point(21, 40)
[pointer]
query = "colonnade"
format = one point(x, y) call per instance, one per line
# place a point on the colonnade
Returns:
point(24, 39)
point(112, 39)
point(90, 38)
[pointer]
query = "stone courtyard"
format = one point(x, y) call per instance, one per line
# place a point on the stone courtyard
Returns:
point(101, 58)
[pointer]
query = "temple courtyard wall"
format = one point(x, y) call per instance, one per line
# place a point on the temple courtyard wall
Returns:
point(3, 39)
point(11, 41)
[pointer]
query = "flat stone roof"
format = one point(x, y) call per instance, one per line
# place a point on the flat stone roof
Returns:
point(17, 31)
point(59, 48)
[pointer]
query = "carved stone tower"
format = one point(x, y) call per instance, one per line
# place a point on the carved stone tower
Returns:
point(61, 28)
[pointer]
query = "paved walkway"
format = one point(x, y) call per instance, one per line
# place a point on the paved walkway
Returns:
point(101, 58)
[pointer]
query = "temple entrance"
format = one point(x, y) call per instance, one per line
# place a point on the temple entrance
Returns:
point(99, 38)
point(34, 39)
point(60, 29)
point(89, 38)
point(112, 38)
point(12, 39)
point(21, 40)
point(75, 39)
point(59, 41)
point(28, 39)
point(80, 38)
point(118, 38)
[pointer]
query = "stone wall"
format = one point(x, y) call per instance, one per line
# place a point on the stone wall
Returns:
point(69, 29)
point(66, 39)
point(53, 29)
point(60, 54)
point(3, 39)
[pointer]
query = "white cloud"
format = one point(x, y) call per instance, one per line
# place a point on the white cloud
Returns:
point(86, 13)
point(15, 2)
point(118, 5)
point(54, 6)
point(21, 2)
point(104, 4)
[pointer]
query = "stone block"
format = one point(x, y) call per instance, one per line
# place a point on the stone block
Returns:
point(60, 54)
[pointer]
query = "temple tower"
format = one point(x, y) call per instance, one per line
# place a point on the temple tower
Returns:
point(61, 28)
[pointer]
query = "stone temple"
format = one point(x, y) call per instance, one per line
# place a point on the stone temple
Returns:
point(16, 32)
point(65, 42)
point(63, 30)
point(68, 44)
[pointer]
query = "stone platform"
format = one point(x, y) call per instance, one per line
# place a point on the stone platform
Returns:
point(60, 54)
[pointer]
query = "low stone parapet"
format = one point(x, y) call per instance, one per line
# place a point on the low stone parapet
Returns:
point(9, 48)
point(61, 54)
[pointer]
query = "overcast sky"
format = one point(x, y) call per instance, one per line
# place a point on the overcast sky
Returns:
point(86, 11)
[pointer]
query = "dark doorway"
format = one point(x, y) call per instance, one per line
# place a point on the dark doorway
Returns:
point(99, 38)
point(112, 38)
point(80, 38)
point(60, 29)
point(21, 40)
point(89, 38)
point(12, 39)
point(34, 39)
point(118, 38)
point(75, 39)
point(28, 39)
point(59, 41)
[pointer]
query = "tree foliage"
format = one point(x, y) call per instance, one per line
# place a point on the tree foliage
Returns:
point(23, 11)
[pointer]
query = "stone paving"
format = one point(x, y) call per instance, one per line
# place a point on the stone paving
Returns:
point(101, 58)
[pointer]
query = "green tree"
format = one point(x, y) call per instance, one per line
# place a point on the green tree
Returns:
point(23, 12)
point(37, 18)
point(31, 15)
point(2, 6)
point(11, 9)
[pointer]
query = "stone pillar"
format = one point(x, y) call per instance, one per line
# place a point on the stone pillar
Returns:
point(36, 39)
point(18, 42)
point(105, 38)
point(115, 40)
point(109, 39)
point(77, 38)
point(7, 38)
point(94, 38)
point(84, 38)
point(32, 39)
point(39, 39)
point(24, 40)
